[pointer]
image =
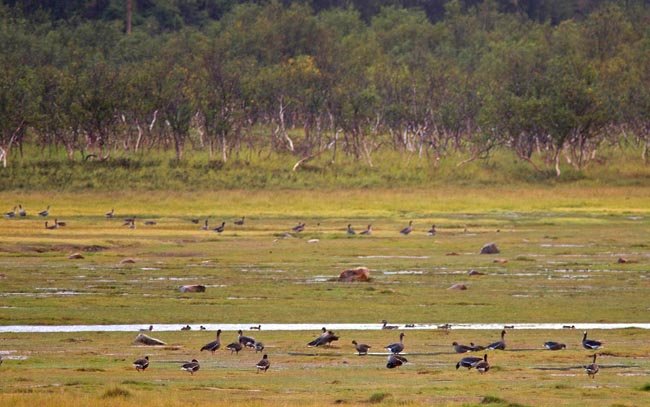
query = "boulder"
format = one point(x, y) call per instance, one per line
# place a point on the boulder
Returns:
point(355, 274)
point(194, 288)
point(490, 248)
point(147, 340)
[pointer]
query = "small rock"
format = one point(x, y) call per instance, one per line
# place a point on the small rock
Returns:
point(195, 288)
point(458, 286)
point(313, 241)
point(355, 274)
point(147, 340)
point(623, 260)
point(127, 261)
point(76, 256)
point(500, 261)
point(490, 248)
point(475, 273)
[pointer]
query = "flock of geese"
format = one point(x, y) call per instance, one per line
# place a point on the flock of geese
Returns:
point(395, 358)
point(19, 212)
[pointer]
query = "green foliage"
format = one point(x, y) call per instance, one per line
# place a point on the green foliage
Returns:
point(377, 398)
point(115, 392)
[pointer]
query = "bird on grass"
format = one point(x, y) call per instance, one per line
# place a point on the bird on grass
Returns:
point(362, 348)
point(245, 340)
point(592, 368)
point(205, 225)
point(458, 348)
point(214, 345)
point(191, 367)
point(501, 345)
point(141, 364)
point(386, 326)
point(21, 211)
point(395, 361)
point(264, 364)
point(468, 362)
point(432, 231)
point(326, 338)
point(221, 228)
point(259, 347)
point(299, 227)
point(150, 223)
point(407, 229)
point(110, 214)
point(45, 213)
point(317, 340)
point(554, 345)
point(590, 343)
point(397, 347)
point(350, 231)
point(11, 213)
point(240, 222)
point(368, 231)
point(235, 347)
point(482, 366)
point(51, 227)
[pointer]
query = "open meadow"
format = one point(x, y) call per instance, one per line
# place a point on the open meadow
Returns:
point(568, 255)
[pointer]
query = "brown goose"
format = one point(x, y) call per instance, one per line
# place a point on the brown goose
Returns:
point(191, 367)
point(263, 364)
point(476, 347)
point(234, 347)
point(258, 327)
point(221, 228)
point(45, 213)
point(501, 345)
point(205, 225)
point(432, 231)
point(554, 345)
point(368, 231)
point(299, 227)
point(350, 231)
point(458, 348)
point(592, 369)
point(214, 345)
point(141, 364)
point(240, 222)
point(468, 362)
point(259, 347)
point(245, 340)
point(11, 213)
point(110, 213)
point(386, 326)
point(21, 211)
point(590, 343)
point(395, 361)
point(51, 227)
point(397, 347)
point(362, 348)
point(407, 229)
point(482, 366)
point(327, 339)
point(317, 340)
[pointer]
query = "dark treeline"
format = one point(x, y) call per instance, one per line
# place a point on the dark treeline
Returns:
point(548, 80)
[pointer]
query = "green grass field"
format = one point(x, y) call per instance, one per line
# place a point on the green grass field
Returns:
point(559, 262)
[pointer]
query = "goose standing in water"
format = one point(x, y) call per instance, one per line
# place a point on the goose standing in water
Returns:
point(386, 326)
point(214, 345)
point(395, 361)
point(554, 345)
point(191, 367)
point(468, 362)
point(432, 231)
point(351, 231)
point(482, 366)
point(263, 364)
point(362, 348)
point(45, 213)
point(397, 347)
point(590, 343)
point(458, 348)
point(141, 364)
point(501, 345)
point(221, 228)
point(407, 229)
point(592, 369)
point(240, 222)
point(368, 231)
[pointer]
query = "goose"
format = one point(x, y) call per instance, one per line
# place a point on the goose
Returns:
point(258, 327)
point(362, 348)
point(205, 225)
point(141, 364)
point(482, 366)
point(317, 340)
point(351, 231)
point(468, 362)
point(234, 347)
point(458, 348)
point(263, 364)
point(397, 347)
point(476, 347)
point(195, 221)
point(327, 339)
point(201, 327)
point(21, 211)
point(129, 221)
point(11, 213)
point(150, 223)
point(110, 213)
point(191, 367)
point(240, 222)
point(554, 345)
point(299, 227)
point(592, 369)
point(186, 328)
point(51, 227)
point(259, 347)
point(245, 340)
point(45, 212)
point(221, 228)
point(432, 231)
point(395, 361)
point(590, 343)
point(501, 345)
point(60, 222)
point(386, 326)
point(368, 231)
point(407, 229)
point(214, 345)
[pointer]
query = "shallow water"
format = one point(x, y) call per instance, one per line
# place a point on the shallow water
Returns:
point(309, 327)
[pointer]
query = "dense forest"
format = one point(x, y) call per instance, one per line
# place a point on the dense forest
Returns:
point(548, 80)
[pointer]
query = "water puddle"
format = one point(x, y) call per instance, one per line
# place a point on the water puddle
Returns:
point(315, 327)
